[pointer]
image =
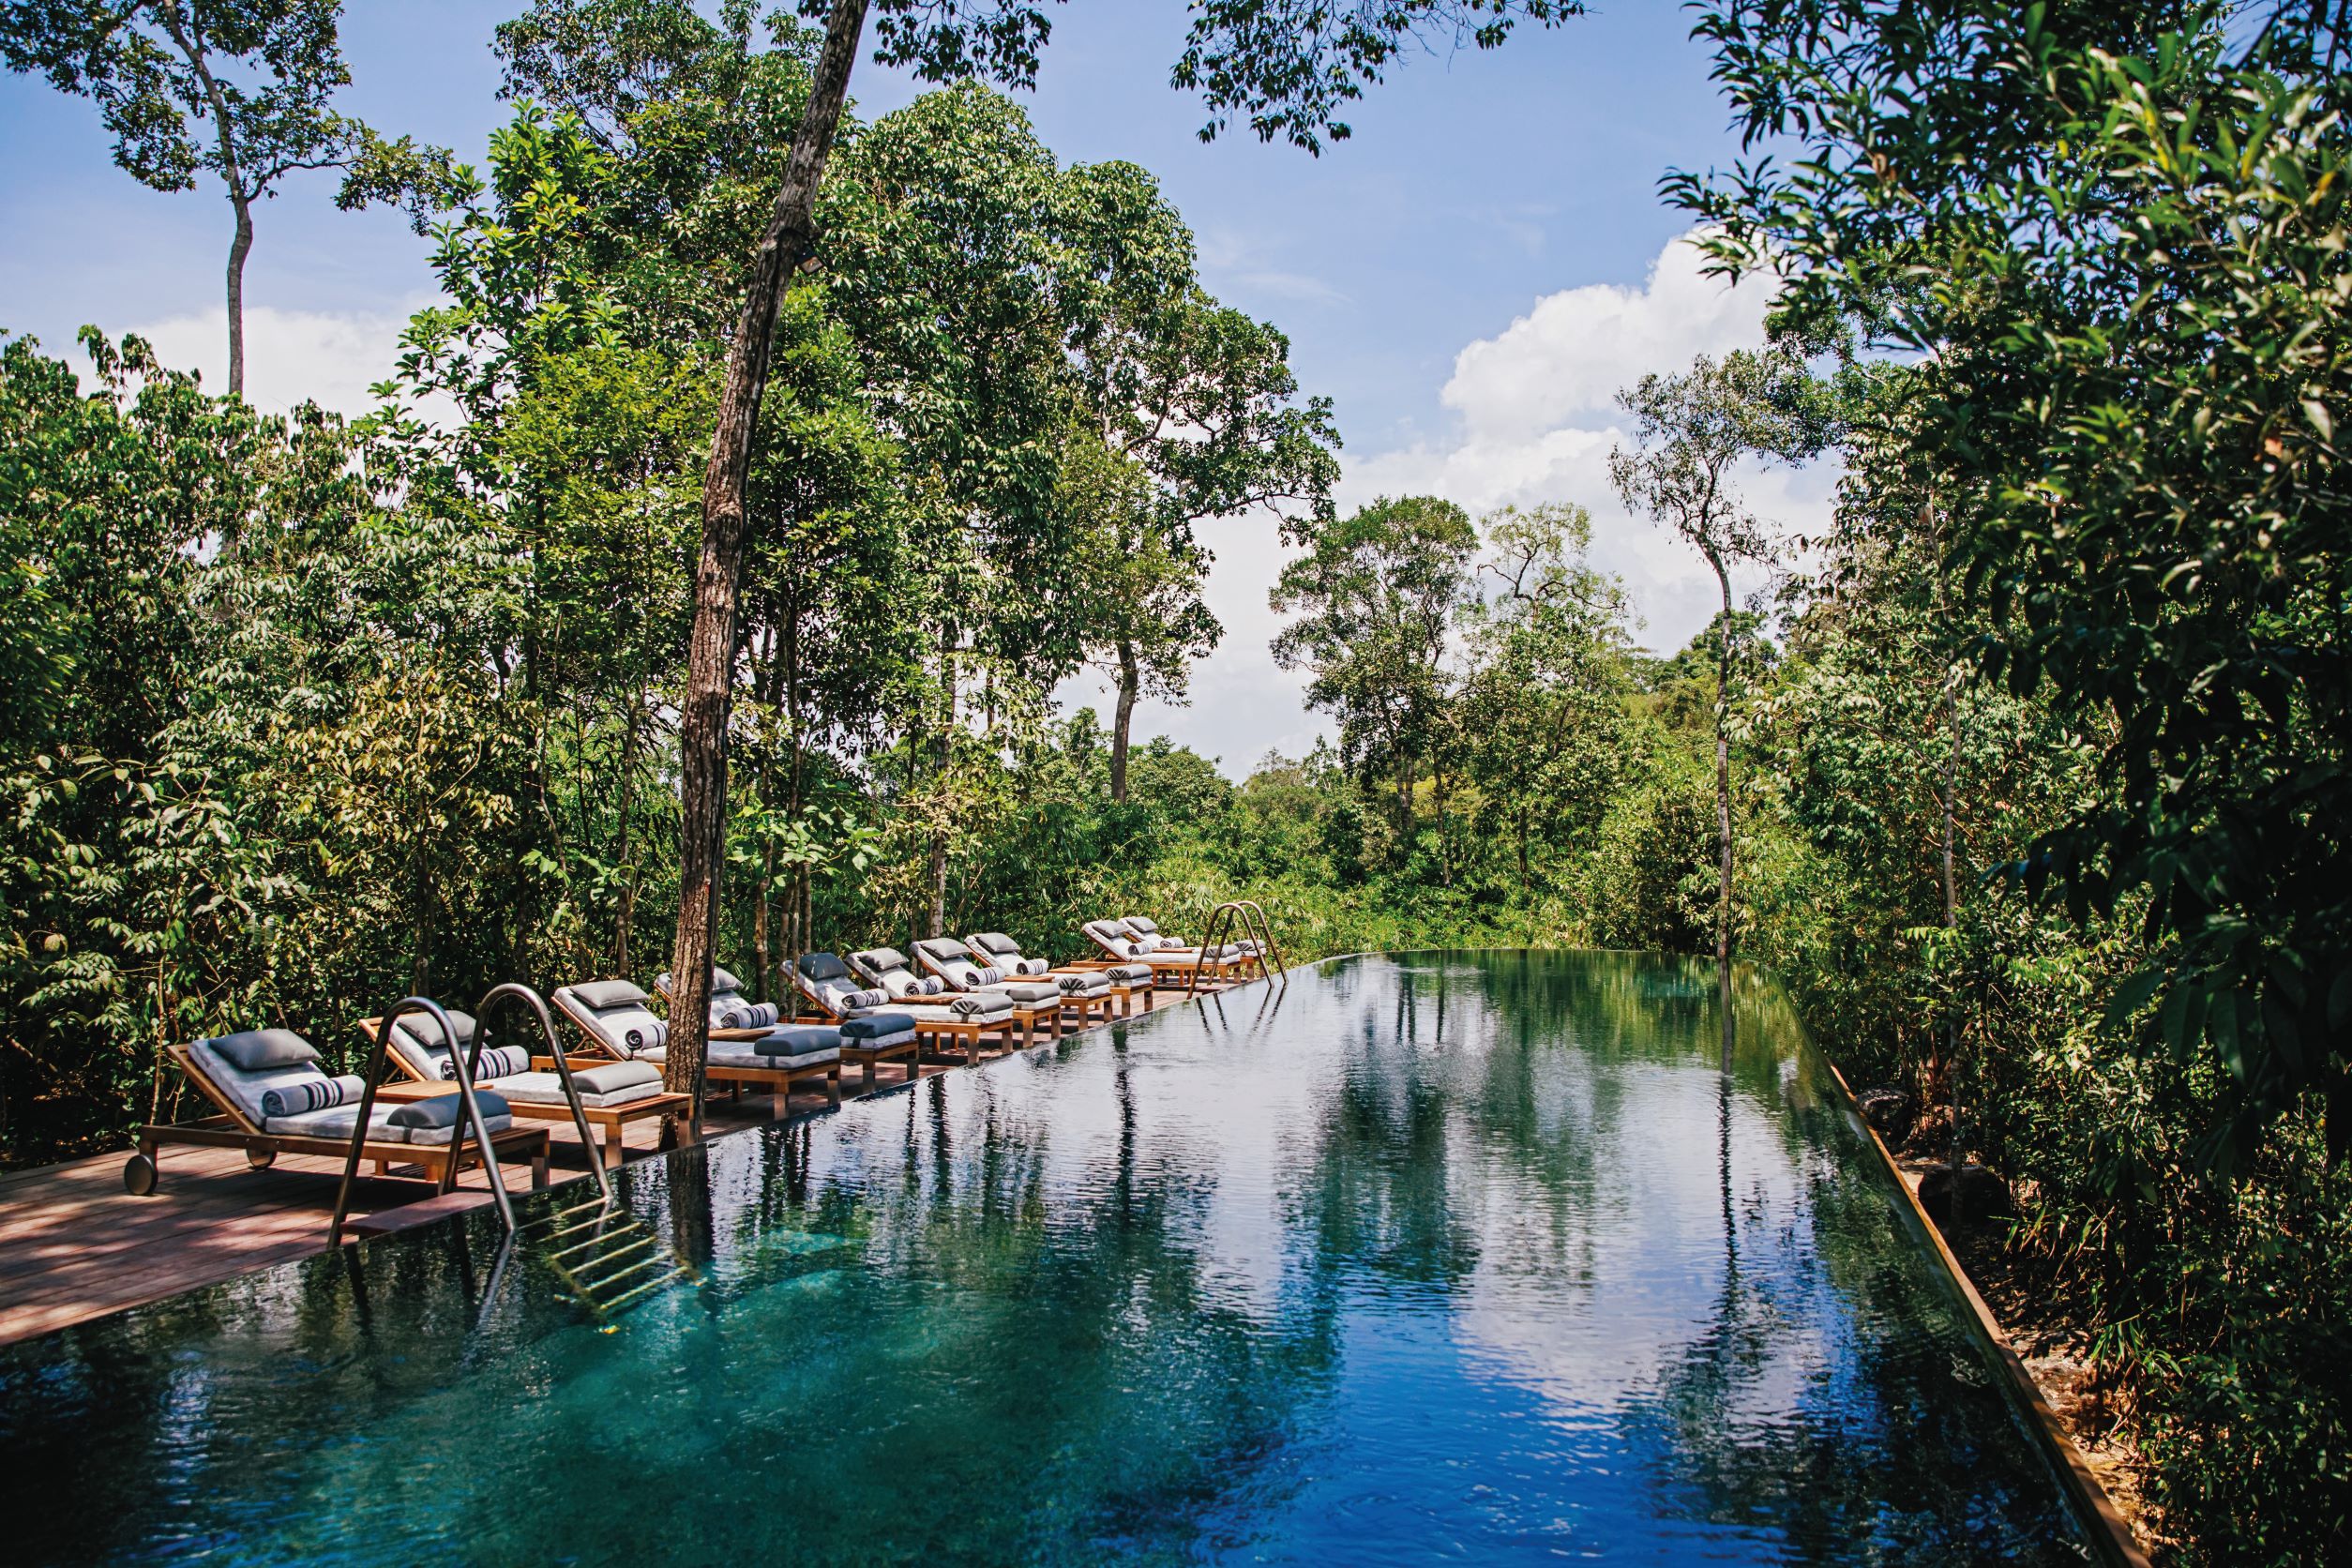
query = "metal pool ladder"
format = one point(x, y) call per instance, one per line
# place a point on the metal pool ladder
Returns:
point(607, 1258)
point(1251, 917)
point(608, 1263)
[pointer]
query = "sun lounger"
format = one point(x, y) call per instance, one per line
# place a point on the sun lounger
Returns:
point(1126, 940)
point(1079, 983)
point(612, 1093)
point(964, 1017)
point(616, 1019)
point(873, 1030)
point(273, 1099)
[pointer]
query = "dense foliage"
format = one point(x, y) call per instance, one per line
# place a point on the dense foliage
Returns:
point(2033, 768)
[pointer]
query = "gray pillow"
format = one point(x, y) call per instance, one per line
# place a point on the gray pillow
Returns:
point(996, 943)
point(615, 1076)
point(722, 981)
point(441, 1110)
point(823, 966)
point(425, 1032)
point(257, 1050)
point(878, 960)
point(798, 1041)
point(600, 994)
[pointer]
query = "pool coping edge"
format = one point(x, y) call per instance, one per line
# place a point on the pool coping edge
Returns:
point(2112, 1538)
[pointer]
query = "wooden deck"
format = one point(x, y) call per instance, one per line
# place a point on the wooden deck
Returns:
point(74, 1245)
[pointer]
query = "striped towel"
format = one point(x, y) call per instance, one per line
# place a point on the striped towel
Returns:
point(502, 1062)
point(318, 1092)
point(749, 1014)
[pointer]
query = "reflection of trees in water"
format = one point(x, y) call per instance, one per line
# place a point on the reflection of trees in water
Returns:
point(1104, 1378)
point(1878, 1448)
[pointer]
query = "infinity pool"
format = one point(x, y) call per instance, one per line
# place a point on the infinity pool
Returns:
point(1442, 1256)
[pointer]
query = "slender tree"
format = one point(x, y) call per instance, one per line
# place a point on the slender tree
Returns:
point(711, 648)
point(1691, 432)
point(240, 89)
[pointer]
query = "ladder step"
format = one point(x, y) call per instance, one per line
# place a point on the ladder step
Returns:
point(605, 1260)
point(618, 1234)
point(646, 1288)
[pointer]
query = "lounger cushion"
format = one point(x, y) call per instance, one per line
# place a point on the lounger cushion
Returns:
point(304, 1095)
point(624, 1024)
point(257, 1050)
point(876, 1028)
point(429, 1137)
point(442, 1111)
point(245, 1090)
point(1092, 982)
point(739, 1053)
point(980, 1004)
point(337, 1121)
point(435, 1121)
point(1129, 975)
point(822, 966)
point(600, 994)
point(799, 1040)
point(615, 1083)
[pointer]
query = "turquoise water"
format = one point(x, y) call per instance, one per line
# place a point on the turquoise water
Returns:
point(1442, 1256)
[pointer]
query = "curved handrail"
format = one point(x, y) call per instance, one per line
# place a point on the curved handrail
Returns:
point(1267, 952)
point(462, 1063)
point(1230, 913)
point(517, 991)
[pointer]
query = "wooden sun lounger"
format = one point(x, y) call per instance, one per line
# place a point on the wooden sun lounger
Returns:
point(232, 1130)
point(611, 1121)
point(853, 1053)
point(776, 1080)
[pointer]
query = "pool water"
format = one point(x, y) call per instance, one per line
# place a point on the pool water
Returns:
point(1466, 1256)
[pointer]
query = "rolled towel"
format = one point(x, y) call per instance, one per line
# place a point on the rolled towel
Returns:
point(501, 1062)
point(646, 1034)
point(978, 1003)
point(850, 1001)
point(748, 1015)
point(442, 1110)
point(1031, 966)
point(976, 979)
point(311, 1093)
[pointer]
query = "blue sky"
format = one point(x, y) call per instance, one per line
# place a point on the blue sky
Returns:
point(1469, 277)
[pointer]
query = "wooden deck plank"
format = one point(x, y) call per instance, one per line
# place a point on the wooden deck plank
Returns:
point(74, 1245)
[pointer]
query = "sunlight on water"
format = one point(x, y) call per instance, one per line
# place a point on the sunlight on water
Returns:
point(1472, 1256)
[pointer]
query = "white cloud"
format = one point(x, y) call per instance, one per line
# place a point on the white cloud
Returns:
point(1533, 420)
point(1535, 408)
point(290, 356)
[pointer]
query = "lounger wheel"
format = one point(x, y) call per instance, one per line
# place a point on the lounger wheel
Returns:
point(260, 1159)
point(139, 1176)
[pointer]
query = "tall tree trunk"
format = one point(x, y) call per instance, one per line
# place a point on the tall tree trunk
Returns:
point(938, 922)
point(711, 650)
point(233, 175)
point(1951, 856)
point(238, 249)
point(1723, 806)
point(1130, 682)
